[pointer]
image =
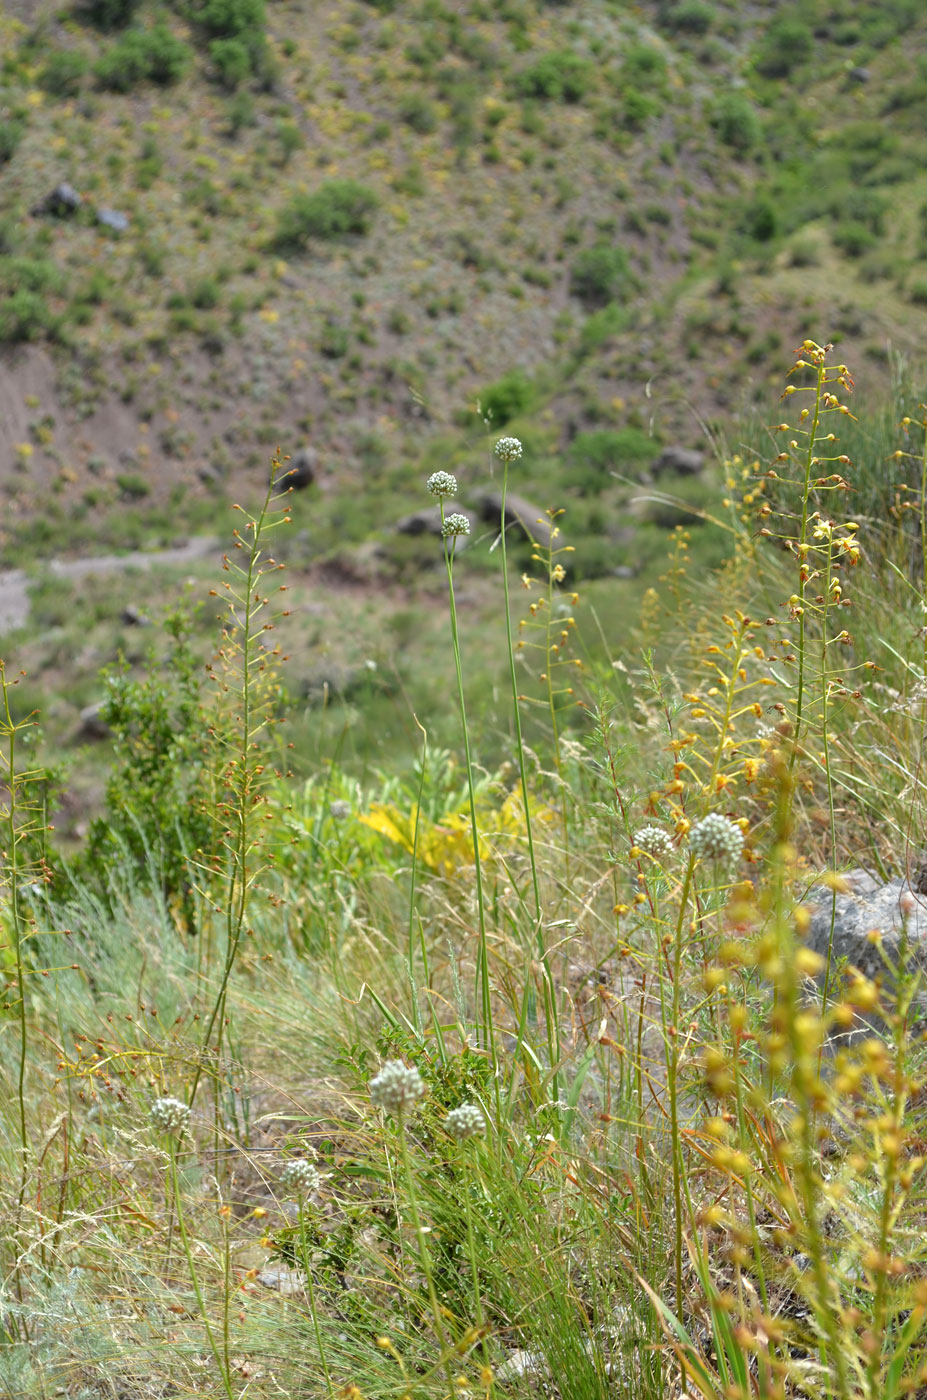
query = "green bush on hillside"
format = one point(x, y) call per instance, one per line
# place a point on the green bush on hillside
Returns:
point(335, 210)
point(557, 77)
point(510, 396)
point(108, 14)
point(735, 120)
point(787, 43)
point(686, 16)
point(596, 453)
point(231, 61)
point(11, 133)
point(600, 274)
point(143, 55)
point(63, 72)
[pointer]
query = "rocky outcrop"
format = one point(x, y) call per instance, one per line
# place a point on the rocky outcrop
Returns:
point(895, 909)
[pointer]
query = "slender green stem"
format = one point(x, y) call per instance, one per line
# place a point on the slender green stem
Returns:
point(802, 549)
point(425, 1259)
point(182, 1226)
point(550, 1013)
point(484, 994)
point(310, 1284)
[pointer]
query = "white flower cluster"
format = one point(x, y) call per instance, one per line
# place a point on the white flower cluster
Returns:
point(397, 1087)
point(465, 1122)
point(300, 1177)
point(442, 485)
point(654, 841)
point(716, 838)
point(455, 524)
point(508, 449)
point(170, 1116)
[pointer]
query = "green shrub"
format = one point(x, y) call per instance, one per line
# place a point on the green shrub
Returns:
point(687, 16)
point(24, 315)
point(787, 43)
point(335, 210)
point(603, 326)
point(289, 139)
point(558, 77)
point(861, 206)
point(231, 61)
point(143, 55)
point(206, 295)
point(644, 64)
point(917, 292)
point(760, 219)
point(735, 120)
point(594, 454)
point(233, 19)
point(636, 108)
point(600, 274)
point(63, 72)
point(11, 133)
point(108, 14)
point(418, 113)
point(509, 397)
point(241, 113)
point(854, 238)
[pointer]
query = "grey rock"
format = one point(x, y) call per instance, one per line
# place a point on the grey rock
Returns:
point(624, 571)
point(678, 461)
point(869, 905)
point(134, 617)
point(92, 723)
point(518, 511)
point(859, 75)
point(113, 219)
point(300, 471)
point(59, 203)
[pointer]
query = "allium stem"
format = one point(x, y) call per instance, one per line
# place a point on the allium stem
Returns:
point(550, 1009)
point(483, 992)
point(425, 1257)
point(182, 1226)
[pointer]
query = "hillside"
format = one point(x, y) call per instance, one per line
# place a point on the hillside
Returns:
point(357, 231)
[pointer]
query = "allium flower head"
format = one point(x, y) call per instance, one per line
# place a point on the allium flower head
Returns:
point(455, 524)
point(397, 1087)
point(300, 1177)
point(170, 1116)
point(716, 838)
point(508, 449)
point(654, 841)
point(442, 485)
point(465, 1122)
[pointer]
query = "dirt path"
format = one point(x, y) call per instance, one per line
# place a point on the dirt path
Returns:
point(14, 583)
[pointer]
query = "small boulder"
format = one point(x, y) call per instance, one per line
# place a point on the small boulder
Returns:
point(869, 905)
point(92, 723)
point(300, 471)
point(859, 75)
point(532, 520)
point(59, 203)
point(678, 461)
point(132, 616)
point(113, 219)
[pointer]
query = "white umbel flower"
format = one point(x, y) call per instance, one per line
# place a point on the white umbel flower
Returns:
point(442, 484)
point(300, 1177)
point(508, 449)
point(170, 1116)
point(654, 841)
point(455, 524)
point(465, 1122)
point(716, 838)
point(397, 1088)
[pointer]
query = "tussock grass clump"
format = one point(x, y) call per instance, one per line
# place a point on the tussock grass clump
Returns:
point(483, 1082)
